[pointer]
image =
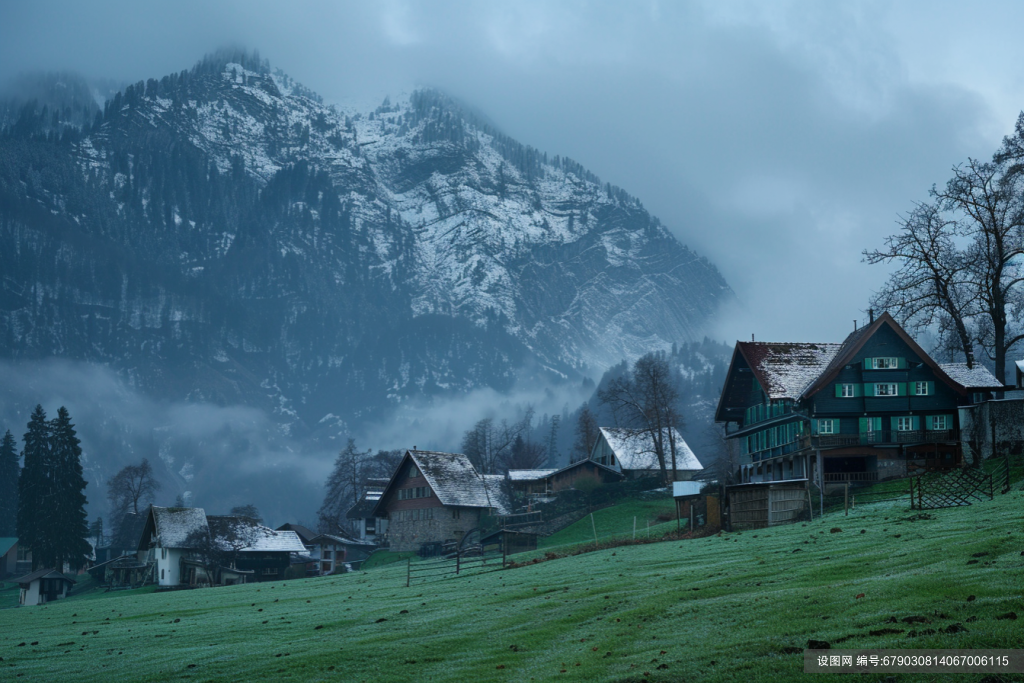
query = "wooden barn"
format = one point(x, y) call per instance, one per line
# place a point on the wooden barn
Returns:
point(764, 504)
point(435, 497)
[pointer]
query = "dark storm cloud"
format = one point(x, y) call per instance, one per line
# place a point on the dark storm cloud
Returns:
point(778, 139)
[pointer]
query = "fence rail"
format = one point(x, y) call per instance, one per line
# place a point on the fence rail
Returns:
point(957, 488)
point(460, 565)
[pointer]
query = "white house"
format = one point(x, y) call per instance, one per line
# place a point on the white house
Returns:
point(43, 586)
point(632, 452)
point(338, 549)
point(166, 540)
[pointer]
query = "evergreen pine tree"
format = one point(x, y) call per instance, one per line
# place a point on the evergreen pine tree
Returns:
point(34, 484)
point(66, 523)
point(9, 471)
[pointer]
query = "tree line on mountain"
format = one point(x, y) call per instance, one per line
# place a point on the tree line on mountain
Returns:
point(960, 259)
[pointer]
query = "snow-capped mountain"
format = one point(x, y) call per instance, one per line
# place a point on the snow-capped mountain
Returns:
point(221, 234)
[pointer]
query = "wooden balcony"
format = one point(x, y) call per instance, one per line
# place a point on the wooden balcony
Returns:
point(886, 437)
point(842, 477)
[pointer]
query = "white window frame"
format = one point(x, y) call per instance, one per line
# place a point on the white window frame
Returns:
point(893, 386)
point(831, 424)
point(921, 388)
point(849, 391)
point(904, 424)
point(887, 363)
point(935, 423)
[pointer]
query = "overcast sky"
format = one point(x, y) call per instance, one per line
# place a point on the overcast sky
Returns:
point(779, 139)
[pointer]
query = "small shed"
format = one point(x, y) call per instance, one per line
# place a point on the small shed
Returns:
point(757, 505)
point(509, 541)
point(43, 586)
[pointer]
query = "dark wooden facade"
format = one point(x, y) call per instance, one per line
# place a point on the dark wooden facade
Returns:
point(876, 406)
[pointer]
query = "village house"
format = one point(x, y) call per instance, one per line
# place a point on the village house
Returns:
point(187, 548)
point(43, 586)
point(873, 407)
point(435, 497)
point(338, 549)
point(170, 536)
point(254, 550)
point(367, 527)
point(632, 452)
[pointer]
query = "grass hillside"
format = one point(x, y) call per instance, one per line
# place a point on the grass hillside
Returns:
point(734, 607)
point(617, 522)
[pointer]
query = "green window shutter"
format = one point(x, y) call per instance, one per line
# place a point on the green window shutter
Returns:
point(863, 425)
point(894, 423)
point(878, 423)
point(869, 363)
point(858, 390)
point(915, 422)
point(839, 391)
point(931, 388)
point(912, 388)
point(901, 363)
point(901, 388)
point(869, 389)
point(929, 422)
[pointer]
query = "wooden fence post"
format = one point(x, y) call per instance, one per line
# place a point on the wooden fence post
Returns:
point(846, 499)
point(911, 493)
point(594, 527)
point(408, 571)
point(458, 561)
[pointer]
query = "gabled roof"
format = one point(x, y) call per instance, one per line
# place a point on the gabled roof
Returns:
point(364, 508)
point(247, 536)
point(634, 450)
point(43, 574)
point(786, 369)
point(130, 531)
point(307, 535)
point(6, 544)
point(452, 478)
point(340, 539)
point(173, 526)
point(975, 378)
point(529, 475)
point(587, 461)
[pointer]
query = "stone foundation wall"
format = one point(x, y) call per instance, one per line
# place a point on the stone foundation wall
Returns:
point(406, 535)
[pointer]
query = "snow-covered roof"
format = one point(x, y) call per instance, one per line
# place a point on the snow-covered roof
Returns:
point(977, 377)
point(364, 508)
point(1020, 365)
point(634, 450)
point(174, 525)
point(786, 369)
point(529, 475)
point(454, 480)
point(247, 536)
point(339, 539)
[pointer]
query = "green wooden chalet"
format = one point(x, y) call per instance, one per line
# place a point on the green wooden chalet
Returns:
point(873, 407)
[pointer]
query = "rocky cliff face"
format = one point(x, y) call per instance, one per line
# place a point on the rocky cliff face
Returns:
point(222, 235)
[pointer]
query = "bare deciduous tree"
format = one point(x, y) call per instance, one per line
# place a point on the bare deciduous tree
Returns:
point(647, 399)
point(586, 432)
point(130, 490)
point(488, 445)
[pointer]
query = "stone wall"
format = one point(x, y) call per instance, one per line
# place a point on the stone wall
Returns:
point(994, 428)
point(405, 535)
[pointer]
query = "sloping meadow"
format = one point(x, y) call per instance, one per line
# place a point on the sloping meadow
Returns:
point(737, 606)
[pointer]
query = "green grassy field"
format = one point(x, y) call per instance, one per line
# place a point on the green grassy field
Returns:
point(616, 522)
point(734, 607)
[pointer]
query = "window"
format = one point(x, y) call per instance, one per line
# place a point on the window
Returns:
point(326, 554)
point(828, 426)
point(887, 389)
point(163, 553)
point(884, 363)
point(939, 422)
point(161, 574)
point(921, 388)
point(849, 391)
point(904, 424)
point(269, 571)
point(455, 513)
point(413, 471)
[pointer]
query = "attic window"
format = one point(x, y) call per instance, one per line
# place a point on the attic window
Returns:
point(413, 471)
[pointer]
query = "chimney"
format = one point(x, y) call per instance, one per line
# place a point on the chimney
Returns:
point(751, 336)
point(871, 315)
point(854, 324)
